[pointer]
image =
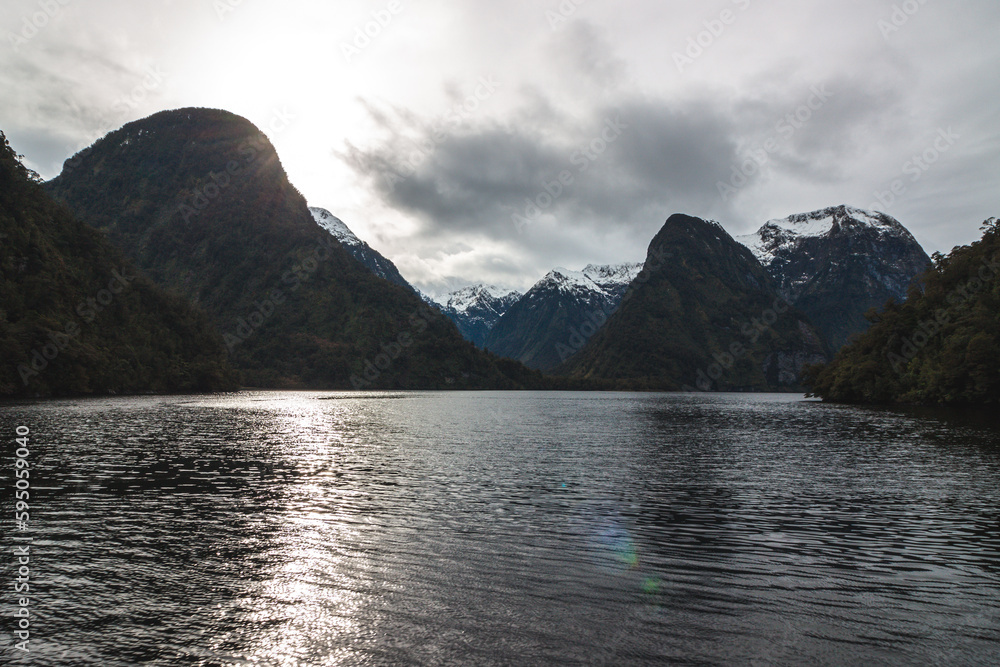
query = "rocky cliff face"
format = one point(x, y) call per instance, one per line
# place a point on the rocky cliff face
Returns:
point(837, 263)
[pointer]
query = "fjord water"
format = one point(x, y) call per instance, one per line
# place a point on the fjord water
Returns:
point(280, 528)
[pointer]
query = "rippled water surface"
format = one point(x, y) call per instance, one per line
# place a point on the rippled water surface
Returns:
point(504, 528)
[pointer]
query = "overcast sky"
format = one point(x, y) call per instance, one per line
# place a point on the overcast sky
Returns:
point(491, 141)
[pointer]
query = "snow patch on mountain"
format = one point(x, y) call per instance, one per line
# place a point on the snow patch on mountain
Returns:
point(487, 297)
point(607, 274)
point(335, 226)
point(373, 260)
point(607, 280)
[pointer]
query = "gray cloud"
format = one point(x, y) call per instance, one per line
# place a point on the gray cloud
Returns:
point(585, 50)
point(69, 95)
point(630, 164)
point(616, 161)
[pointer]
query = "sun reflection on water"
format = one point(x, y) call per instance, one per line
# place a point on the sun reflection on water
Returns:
point(309, 601)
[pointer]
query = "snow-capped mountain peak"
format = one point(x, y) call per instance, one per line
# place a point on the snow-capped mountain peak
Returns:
point(781, 234)
point(581, 301)
point(604, 279)
point(335, 226)
point(480, 296)
point(475, 309)
point(606, 274)
point(836, 263)
point(565, 279)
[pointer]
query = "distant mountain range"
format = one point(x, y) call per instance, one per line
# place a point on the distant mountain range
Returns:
point(545, 326)
point(535, 327)
point(832, 265)
point(476, 309)
point(197, 200)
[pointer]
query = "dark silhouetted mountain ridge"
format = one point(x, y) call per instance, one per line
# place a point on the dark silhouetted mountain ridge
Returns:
point(198, 198)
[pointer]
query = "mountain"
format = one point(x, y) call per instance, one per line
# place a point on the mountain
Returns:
point(361, 251)
point(940, 347)
point(199, 200)
point(429, 300)
point(837, 263)
point(550, 322)
point(613, 279)
point(703, 314)
point(76, 317)
point(476, 309)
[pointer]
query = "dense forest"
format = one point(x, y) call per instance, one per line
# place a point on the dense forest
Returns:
point(77, 318)
point(940, 347)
